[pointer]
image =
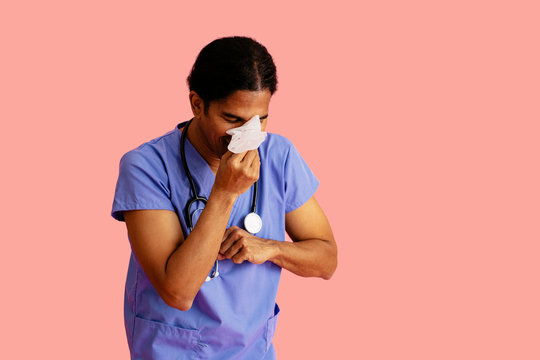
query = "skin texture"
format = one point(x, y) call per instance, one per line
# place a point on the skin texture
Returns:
point(177, 267)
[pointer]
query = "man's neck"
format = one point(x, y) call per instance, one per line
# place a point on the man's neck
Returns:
point(197, 139)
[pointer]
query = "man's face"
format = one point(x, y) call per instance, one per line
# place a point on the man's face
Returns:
point(231, 112)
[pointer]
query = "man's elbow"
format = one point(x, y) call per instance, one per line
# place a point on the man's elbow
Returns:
point(183, 305)
point(327, 275)
point(331, 268)
point(179, 302)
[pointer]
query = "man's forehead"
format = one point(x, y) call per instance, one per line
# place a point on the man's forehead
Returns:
point(239, 117)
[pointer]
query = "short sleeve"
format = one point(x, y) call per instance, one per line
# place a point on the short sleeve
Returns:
point(142, 184)
point(300, 183)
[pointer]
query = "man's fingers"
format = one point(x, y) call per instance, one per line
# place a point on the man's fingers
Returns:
point(226, 155)
point(228, 239)
point(225, 246)
point(238, 157)
point(234, 249)
point(239, 257)
point(227, 233)
point(250, 157)
point(256, 165)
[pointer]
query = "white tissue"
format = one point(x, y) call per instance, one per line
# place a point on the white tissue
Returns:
point(246, 137)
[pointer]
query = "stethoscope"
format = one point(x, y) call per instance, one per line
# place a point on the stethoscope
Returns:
point(252, 221)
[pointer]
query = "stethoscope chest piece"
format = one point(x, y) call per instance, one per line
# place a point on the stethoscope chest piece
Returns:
point(252, 223)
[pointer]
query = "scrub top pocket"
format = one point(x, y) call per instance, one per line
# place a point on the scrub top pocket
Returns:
point(271, 327)
point(156, 340)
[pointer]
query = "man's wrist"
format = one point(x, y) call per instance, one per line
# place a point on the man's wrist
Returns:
point(276, 251)
point(223, 197)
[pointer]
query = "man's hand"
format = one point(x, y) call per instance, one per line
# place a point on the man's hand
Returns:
point(239, 245)
point(237, 172)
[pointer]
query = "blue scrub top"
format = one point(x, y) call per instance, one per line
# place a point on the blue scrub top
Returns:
point(234, 315)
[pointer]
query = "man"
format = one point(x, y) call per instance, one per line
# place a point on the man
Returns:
point(208, 291)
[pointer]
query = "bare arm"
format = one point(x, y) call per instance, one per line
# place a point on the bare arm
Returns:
point(177, 267)
point(313, 251)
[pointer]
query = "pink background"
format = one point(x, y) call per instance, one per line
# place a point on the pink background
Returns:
point(420, 119)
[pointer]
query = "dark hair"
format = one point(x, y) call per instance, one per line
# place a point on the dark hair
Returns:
point(229, 64)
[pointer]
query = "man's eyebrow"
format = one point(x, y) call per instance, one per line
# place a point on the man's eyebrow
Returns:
point(240, 118)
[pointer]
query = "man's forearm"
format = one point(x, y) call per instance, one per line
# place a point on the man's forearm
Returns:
point(308, 258)
point(190, 263)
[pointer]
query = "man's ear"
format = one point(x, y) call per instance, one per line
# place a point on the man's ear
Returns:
point(197, 104)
